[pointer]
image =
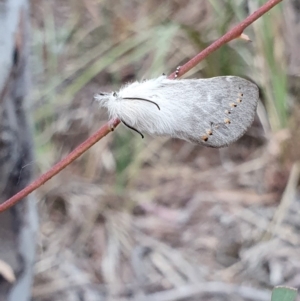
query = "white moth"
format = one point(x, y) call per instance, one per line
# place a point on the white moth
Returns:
point(213, 112)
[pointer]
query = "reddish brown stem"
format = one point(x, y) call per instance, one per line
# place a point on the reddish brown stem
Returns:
point(229, 36)
point(102, 132)
point(111, 125)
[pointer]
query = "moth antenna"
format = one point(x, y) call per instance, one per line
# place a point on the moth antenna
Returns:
point(144, 100)
point(132, 128)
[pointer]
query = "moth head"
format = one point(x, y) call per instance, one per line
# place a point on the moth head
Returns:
point(104, 98)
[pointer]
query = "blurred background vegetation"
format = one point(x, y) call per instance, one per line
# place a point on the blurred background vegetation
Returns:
point(147, 219)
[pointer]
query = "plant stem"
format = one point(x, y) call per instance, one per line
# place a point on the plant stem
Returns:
point(229, 36)
point(112, 124)
point(83, 147)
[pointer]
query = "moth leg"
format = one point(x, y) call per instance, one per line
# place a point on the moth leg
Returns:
point(132, 128)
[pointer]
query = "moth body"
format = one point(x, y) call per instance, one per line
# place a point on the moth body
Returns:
point(214, 112)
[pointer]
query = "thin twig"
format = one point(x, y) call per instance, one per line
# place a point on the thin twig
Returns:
point(232, 34)
point(112, 124)
point(83, 147)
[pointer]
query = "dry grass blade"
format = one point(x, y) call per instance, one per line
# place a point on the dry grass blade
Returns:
point(287, 199)
point(208, 288)
point(7, 272)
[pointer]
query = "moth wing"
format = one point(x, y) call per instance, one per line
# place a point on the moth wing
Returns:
point(214, 112)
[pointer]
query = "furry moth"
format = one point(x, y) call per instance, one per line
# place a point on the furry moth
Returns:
point(213, 112)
